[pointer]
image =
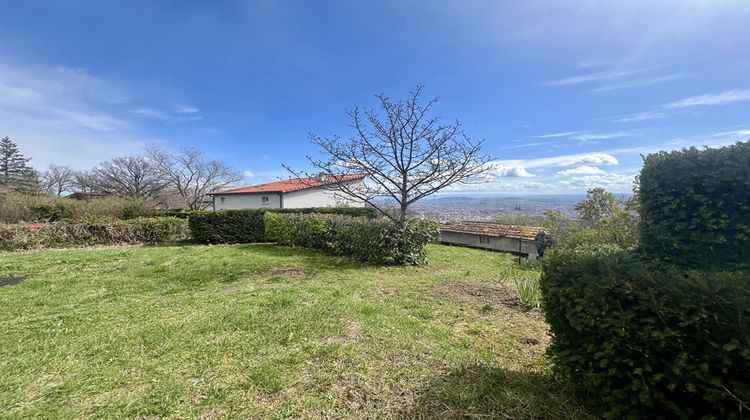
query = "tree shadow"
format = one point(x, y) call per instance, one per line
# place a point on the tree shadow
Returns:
point(312, 259)
point(478, 391)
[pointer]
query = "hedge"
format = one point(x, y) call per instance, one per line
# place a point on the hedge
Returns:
point(158, 230)
point(377, 241)
point(645, 339)
point(246, 226)
point(695, 206)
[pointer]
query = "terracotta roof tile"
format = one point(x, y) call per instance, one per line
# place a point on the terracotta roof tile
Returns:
point(288, 185)
point(530, 233)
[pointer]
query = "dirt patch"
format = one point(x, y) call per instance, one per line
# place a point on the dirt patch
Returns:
point(9, 281)
point(486, 294)
point(287, 272)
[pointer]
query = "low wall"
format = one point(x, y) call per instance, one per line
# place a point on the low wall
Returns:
point(528, 248)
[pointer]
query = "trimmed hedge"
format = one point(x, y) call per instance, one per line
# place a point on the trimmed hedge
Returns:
point(377, 241)
point(695, 205)
point(155, 230)
point(227, 226)
point(246, 226)
point(645, 339)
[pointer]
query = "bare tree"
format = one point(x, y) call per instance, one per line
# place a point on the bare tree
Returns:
point(407, 155)
point(192, 175)
point(133, 176)
point(57, 179)
point(85, 182)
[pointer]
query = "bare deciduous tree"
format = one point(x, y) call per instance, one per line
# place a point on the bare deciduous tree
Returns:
point(84, 182)
point(407, 154)
point(192, 175)
point(57, 179)
point(133, 176)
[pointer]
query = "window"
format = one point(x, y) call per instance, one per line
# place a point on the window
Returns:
point(223, 199)
point(264, 199)
point(484, 239)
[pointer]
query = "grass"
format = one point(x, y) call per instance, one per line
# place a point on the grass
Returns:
point(263, 331)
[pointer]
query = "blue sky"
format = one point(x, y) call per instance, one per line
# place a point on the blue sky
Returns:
point(567, 94)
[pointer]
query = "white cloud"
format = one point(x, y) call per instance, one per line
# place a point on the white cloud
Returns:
point(186, 110)
point(66, 116)
point(248, 174)
point(642, 116)
point(591, 159)
point(583, 170)
point(615, 182)
point(585, 135)
point(600, 136)
point(561, 134)
point(594, 77)
point(723, 98)
point(180, 115)
point(742, 133)
point(511, 172)
point(523, 145)
point(639, 82)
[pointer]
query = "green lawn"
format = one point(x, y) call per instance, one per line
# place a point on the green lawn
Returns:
point(262, 331)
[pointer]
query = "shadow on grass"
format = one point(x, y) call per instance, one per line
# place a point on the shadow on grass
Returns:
point(478, 391)
point(311, 258)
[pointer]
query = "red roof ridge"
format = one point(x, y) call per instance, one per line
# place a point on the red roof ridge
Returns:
point(289, 185)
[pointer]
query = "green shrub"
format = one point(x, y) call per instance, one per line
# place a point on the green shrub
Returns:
point(645, 339)
point(377, 241)
point(152, 231)
point(247, 226)
point(227, 226)
point(16, 208)
point(695, 205)
point(368, 212)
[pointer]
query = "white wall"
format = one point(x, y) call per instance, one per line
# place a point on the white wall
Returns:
point(311, 197)
point(246, 201)
point(320, 197)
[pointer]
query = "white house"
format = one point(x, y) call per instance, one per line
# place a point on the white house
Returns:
point(289, 194)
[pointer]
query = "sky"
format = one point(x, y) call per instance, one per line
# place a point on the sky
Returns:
point(567, 95)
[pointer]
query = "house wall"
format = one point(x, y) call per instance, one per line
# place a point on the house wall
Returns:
point(311, 197)
point(246, 201)
point(497, 243)
point(320, 197)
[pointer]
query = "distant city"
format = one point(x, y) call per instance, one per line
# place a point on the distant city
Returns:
point(487, 208)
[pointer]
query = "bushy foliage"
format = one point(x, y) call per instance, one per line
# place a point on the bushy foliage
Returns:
point(696, 205)
point(377, 241)
point(159, 230)
point(247, 226)
point(645, 339)
point(368, 212)
point(16, 207)
point(604, 220)
point(227, 226)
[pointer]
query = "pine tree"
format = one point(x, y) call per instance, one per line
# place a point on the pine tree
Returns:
point(15, 173)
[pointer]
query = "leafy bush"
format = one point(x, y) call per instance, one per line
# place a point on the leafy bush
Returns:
point(247, 226)
point(696, 205)
point(604, 220)
point(227, 226)
point(647, 339)
point(368, 212)
point(377, 241)
point(136, 231)
point(16, 208)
